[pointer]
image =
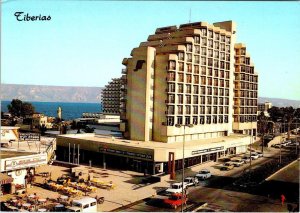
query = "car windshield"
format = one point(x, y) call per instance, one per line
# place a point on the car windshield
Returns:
point(175, 186)
point(187, 179)
point(204, 172)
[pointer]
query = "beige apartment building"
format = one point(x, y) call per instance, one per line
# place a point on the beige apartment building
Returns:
point(110, 97)
point(245, 92)
point(180, 85)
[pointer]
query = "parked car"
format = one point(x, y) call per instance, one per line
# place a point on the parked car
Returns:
point(260, 154)
point(176, 188)
point(254, 155)
point(191, 181)
point(246, 159)
point(203, 174)
point(175, 200)
point(276, 145)
point(227, 166)
point(237, 162)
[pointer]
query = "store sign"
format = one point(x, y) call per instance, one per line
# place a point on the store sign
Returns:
point(125, 153)
point(196, 152)
point(29, 137)
point(27, 162)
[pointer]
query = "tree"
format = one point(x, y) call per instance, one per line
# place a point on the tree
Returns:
point(262, 127)
point(20, 109)
point(289, 114)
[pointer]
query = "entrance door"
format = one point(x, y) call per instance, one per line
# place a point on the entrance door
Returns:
point(137, 165)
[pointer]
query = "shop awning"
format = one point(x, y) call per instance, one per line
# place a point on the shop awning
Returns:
point(5, 179)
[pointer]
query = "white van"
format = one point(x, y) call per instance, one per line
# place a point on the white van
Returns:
point(72, 209)
point(86, 204)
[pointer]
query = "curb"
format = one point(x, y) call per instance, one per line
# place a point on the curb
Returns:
point(268, 178)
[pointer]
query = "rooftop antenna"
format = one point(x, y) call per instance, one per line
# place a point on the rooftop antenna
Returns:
point(190, 15)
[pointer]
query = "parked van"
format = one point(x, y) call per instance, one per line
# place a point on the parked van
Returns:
point(86, 204)
point(72, 209)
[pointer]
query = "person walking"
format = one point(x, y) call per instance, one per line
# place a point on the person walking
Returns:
point(282, 199)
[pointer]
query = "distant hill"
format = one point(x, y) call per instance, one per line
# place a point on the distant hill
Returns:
point(85, 94)
point(279, 102)
point(50, 93)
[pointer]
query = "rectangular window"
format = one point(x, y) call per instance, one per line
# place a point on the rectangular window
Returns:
point(180, 99)
point(179, 109)
point(215, 120)
point(197, 59)
point(189, 68)
point(195, 109)
point(209, 100)
point(196, 89)
point(195, 99)
point(187, 120)
point(208, 110)
point(188, 110)
point(203, 61)
point(208, 119)
point(180, 77)
point(197, 49)
point(196, 79)
point(172, 65)
point(180, 88)
point(188, 89)
point(181, 56)
point(197, 39)
point(202, 110)
point(195, 120)
point(216, 45)
point(170, 121)
point(202, 99)
point(181, 66)
point(188, 78)
point(209, 91)
point(203, 70)
point(215, 110)
point(179, 120)
point(188, 99)
point(189, 47)
point(201, 119)
point(189, 57)
point(196, 69)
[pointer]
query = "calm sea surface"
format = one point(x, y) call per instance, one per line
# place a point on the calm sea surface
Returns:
point(69, 110)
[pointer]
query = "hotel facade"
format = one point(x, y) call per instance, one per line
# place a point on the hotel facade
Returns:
point(190, 83)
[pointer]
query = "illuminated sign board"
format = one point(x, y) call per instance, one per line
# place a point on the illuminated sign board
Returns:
point(196, 152)
point(26, 162)
point(29, 137)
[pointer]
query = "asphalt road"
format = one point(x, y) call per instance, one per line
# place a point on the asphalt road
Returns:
point(220, 193)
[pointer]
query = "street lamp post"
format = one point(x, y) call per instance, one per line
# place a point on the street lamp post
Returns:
point(183, 148)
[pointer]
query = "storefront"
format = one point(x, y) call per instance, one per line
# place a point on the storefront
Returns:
point(20, 167)
point(145, 157)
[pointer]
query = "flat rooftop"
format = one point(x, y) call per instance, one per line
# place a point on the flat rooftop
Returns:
point(10, 154)
point(153, 144)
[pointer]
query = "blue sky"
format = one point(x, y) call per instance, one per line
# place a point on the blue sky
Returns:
point(85, 41)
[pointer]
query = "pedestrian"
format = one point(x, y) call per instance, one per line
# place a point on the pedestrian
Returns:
point(282, 199)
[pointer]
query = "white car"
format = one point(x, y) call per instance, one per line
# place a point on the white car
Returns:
point(237, 162)
point(246, 159)
point(176, 188)
point(254, 156)
point(260, 154)
point(203, 174)
point(191, 181)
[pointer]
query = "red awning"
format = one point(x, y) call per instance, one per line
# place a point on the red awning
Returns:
point(5, 179)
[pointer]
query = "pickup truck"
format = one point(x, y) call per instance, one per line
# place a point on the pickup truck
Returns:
point(191, 181)
point(203, 174)
point(176, 188)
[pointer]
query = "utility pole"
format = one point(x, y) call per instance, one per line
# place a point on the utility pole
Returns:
point(69, 153)
point(250, 147)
